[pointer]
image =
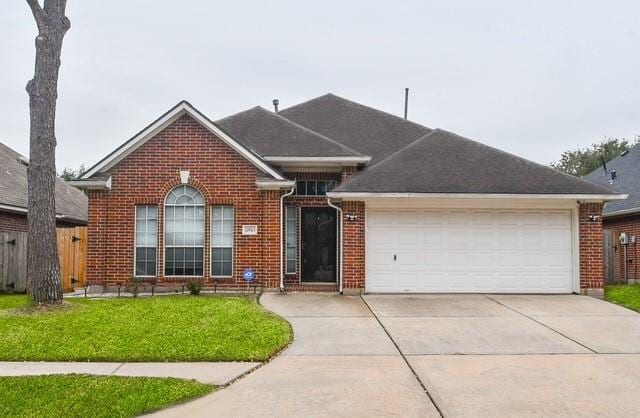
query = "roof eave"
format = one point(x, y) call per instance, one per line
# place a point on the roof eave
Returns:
point(299, 161)
point(623, 212)
point(275, 184)
point(92, 184)
point(373, 195)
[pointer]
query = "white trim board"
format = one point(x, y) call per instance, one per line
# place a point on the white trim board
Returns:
point(372, 195)
point(165, 120)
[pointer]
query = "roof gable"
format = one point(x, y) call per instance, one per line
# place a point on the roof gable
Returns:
point(71, 203)
point(443, 162)
point(627, 168)
point(367, 130)
point(165, 120)
point(269, 134)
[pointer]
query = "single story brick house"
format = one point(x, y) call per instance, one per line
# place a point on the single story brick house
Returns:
point(333, 195)
point(622, 174)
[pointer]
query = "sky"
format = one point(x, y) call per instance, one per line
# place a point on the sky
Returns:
point(532, 77)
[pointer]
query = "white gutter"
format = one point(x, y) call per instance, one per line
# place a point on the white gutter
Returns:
point(274, 184)
point(369, 195)
point(621, 212)
point(340, 244)
point(278, 159)
point(289, 193)
point(92, 184)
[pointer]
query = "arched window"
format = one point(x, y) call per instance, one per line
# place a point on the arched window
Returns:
point(184, 232)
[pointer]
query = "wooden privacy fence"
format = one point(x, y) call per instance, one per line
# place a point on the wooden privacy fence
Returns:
point(611, 257)
point(72, 250)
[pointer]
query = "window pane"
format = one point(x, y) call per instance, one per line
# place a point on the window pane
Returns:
point(226, 269)
point(311, 188)
point(322, 187)
point(146, 240)
point(291, 266)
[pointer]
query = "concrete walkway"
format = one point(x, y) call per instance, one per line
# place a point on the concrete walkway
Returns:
point(212, 373)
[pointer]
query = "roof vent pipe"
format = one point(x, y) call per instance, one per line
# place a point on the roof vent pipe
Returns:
point(406, 101)
point(613, 175)
point(276, 102)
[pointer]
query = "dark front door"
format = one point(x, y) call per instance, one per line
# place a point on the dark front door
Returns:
point(318, 245)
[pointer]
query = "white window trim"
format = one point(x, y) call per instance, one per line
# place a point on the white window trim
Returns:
point(286, 235)
point(135, 241)
point(164, 236)
point(233, 242)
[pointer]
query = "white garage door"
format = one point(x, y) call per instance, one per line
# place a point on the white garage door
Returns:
point(500, 251)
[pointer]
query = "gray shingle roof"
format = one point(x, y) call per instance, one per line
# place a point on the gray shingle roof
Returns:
point(364, 129)
point(627, 180)
point(70, 202)
point(443, 162)
point(269, 134)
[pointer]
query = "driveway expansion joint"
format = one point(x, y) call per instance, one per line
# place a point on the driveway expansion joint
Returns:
point(541, 323)
point(404, 358)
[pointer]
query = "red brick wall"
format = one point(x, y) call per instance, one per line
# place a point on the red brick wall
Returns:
point(630, 225)
point(14, 222)
point(354, 245)
point(591, 274)
point(150, 172)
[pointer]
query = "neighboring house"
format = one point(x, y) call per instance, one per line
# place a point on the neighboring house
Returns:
point(330, 195)
point(622, 174)
point(71, 221)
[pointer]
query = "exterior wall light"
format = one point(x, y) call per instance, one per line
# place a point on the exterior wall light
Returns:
point(594, 218)
point(351, 217)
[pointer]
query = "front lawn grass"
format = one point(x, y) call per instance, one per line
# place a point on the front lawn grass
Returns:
point(625, 295)
point(11, 301)
point(161, 328)
point(92, 396)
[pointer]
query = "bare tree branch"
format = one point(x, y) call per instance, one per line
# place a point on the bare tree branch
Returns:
point(38, 12)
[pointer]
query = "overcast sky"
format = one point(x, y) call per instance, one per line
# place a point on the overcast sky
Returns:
point(530, 77)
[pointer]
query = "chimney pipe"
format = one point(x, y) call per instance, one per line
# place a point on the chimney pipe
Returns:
point(604, 164)
point(276, 102)
point(406, 101)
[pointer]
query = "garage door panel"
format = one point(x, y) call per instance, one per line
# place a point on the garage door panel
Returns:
point(502, 251)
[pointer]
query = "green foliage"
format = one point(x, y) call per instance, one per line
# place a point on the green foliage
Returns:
point(160, 328)
point(582, 161)
point(92, 396)
point(135, 285)
point(194, 286)
point(625, 295)
point(69, 173)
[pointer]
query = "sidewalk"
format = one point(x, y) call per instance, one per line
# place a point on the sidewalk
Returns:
point(212, 373)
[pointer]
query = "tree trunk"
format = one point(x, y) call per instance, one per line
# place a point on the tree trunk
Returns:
point(43, 266)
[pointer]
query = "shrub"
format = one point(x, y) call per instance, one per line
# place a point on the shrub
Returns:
point(194, 286)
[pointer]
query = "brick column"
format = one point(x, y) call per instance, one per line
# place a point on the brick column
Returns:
point(354, 245)
point(269, 274)
point(591, 262)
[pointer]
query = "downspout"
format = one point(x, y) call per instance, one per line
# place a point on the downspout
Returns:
point(289, 193)
point(340, 245)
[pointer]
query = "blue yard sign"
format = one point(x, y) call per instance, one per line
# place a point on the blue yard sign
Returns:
point(249, 274)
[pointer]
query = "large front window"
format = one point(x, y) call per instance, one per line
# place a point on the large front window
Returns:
point(184, 232)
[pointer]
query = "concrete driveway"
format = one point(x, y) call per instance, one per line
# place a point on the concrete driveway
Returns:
point(517, 355)
point(441, 355)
